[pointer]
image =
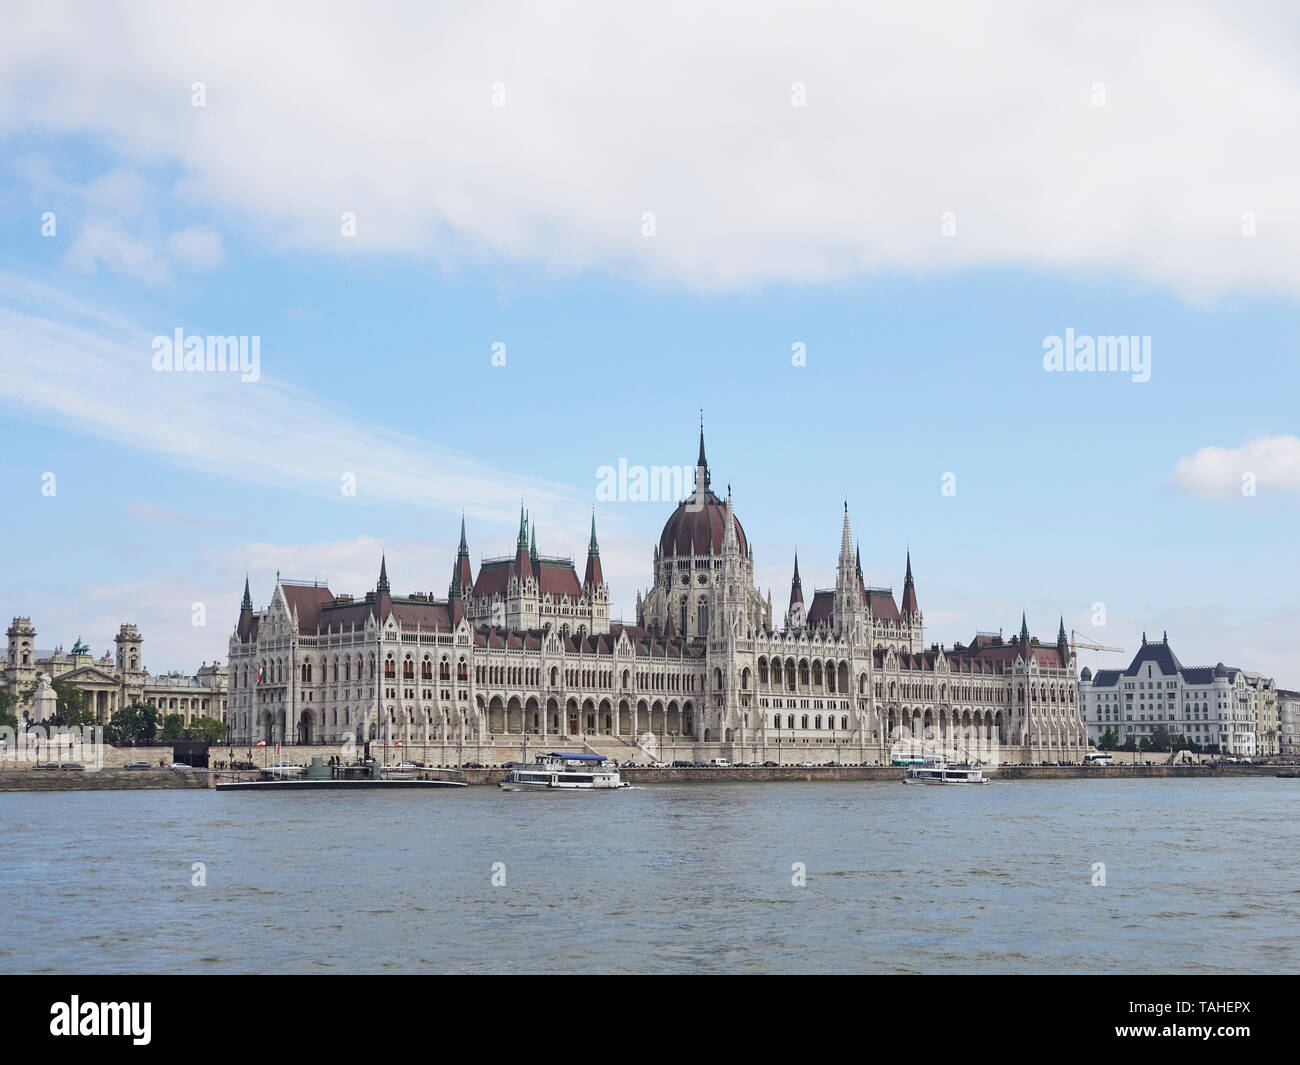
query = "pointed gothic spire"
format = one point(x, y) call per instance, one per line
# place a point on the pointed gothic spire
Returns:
point(594, 577)
point(702, 477)
point(846, 539)
point(729, 541)
point(382, 587)
point(796, 585)
point(523, 528)
point(909, 589)
point(1060, 634)
point(462, 574)
point(1024, 629)
point(246, 607)
point(857, 560)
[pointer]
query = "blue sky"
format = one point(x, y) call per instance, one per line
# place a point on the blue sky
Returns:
point(924, 353)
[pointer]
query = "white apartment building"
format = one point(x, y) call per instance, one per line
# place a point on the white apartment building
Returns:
point(1209, 705)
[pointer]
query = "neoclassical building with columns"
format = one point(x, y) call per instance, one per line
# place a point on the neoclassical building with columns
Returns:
point(525, 652)
point(109, 684)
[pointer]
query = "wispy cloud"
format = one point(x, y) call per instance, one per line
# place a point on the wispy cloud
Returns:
point(796, 144)
point(81, 366)
point(1266, 464)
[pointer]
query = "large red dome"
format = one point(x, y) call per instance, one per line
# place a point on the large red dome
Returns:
point(692, 529)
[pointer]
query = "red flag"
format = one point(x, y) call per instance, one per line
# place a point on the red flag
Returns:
point(261, 743)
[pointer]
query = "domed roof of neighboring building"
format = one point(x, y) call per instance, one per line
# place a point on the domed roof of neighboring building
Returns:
point(1086, 674)
point(694, 529)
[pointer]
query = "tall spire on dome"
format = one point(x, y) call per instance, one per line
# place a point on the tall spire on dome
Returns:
point(909, 589)
point(702, 477)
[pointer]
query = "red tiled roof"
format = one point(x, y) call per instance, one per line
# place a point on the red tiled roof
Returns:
point(882, 605)
point(559, 579)
point(308, 600)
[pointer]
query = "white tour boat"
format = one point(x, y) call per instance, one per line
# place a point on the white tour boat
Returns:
point(937, 771)
point(564, 772)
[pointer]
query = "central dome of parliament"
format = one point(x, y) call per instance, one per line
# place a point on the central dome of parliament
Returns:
point(696, 528)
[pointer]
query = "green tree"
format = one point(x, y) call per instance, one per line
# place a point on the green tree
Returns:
point(1161, 738)
point(173, 727)
point(206, 730)
point(73, 706)
point(1109, 740)
point(132, 726)
point(1145, 743)
point(8, 704)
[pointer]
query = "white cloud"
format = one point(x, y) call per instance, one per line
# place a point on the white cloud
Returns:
point(1272, 461)
point(685, 110)
point(101, 243)
point(198, 248)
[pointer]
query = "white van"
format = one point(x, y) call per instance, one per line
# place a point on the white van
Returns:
point(1098, 758)
point(719, 763)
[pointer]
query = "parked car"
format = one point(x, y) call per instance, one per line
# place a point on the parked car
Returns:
point(679, 764)
point(46, 765)
point(664, 765)
point(805, 765)
point(769, 765)
point(76, 767)
point(136, 765)
point(180, 767)
point(702, 765)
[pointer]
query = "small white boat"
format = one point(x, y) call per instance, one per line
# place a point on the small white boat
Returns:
point(559, 771)
point(938, 771)
point(285, 770)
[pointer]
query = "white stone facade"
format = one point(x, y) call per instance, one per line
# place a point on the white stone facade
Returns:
point(526, 650)
point(1209, 705)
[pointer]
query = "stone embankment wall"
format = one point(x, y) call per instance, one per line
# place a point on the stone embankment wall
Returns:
point(27, 779)
point(105, 780)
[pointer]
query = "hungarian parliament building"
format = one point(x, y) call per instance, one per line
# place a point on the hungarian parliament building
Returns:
point(524, 652)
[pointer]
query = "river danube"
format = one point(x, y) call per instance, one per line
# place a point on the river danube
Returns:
point(1200, 876)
